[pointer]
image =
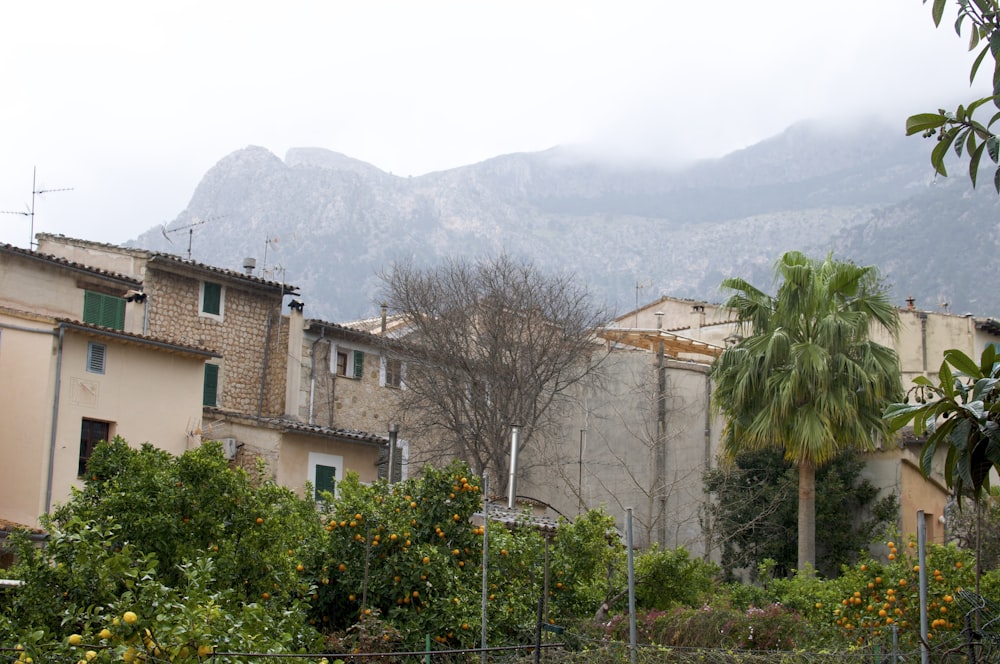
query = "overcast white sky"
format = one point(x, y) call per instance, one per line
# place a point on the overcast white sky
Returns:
point(130, 103)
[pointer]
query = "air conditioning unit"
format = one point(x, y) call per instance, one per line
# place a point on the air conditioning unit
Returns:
point(229, 447)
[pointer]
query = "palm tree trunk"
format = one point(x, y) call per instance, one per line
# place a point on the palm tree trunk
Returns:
point(807, 515)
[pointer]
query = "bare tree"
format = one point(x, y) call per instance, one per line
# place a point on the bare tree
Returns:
point(490, 344)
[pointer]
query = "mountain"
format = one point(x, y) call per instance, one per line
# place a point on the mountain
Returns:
point(329, 223)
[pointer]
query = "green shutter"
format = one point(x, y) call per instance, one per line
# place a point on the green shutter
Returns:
point(104, 310)
point(359, 364)
point(210, 396)
point(211, 302)
point(326, 479)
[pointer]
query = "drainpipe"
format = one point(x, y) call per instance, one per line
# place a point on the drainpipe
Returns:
point(263, 369)
point(312, 373)
point(55, 420)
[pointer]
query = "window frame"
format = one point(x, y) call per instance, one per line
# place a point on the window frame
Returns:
point(203, 292)
point(216, 371)
point(97, 360)
point(353, 364)
point(384, 374)
point(320, 459)
point(88, 440)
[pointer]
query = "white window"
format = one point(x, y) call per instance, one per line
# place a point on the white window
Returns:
point(392, 373)
point(212, 300)
point(347, 362)
point(325, 470)
point(96, 357)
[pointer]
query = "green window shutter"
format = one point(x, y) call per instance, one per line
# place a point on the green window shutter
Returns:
point(104, 310)
point(326, 479)
point(211, 302)
point(359, 364)
point(211, 393)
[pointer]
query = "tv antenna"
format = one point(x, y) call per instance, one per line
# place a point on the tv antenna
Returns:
point(190, 229)
point(30, 211)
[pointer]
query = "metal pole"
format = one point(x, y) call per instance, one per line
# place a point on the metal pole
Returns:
point(486, 549)
point(515, 442)
point(925, 653)
point(633, 652)
point(393, 432)
point(580, 480)
point(661, 435)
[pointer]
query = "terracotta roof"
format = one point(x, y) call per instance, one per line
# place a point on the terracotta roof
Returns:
point(71, 265)
point(157, 258)
point(281, 423)
point(138, 339)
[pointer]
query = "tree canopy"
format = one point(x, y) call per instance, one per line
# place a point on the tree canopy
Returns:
point(959, 130)
point(490, 344)
point(806, 378)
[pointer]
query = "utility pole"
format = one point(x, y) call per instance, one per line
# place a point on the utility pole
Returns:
point(661, 434)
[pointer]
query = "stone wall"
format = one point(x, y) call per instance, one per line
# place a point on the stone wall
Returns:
point(249, 330)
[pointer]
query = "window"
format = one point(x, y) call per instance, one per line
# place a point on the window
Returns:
point(213, 297)
point(104, 310)
point(323, 471)
point(96, 354)
point(350, 363)
point(91, 433)
point(210, 396)
point(392, 372)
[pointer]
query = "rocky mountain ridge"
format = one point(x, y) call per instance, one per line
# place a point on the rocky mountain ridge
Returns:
point(330, 224)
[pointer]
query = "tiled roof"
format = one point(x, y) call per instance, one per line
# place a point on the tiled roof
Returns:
point(163, 344)
point(157, 257)
point(71, 265)
point(304, 428)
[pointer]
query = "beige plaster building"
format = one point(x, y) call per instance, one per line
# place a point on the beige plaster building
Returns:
point(693, 331)
point(75, 368)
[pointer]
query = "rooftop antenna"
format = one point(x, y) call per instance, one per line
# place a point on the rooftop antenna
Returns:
point(639, 287)
point(268, 241)
point(30, 211)
point(190, 229)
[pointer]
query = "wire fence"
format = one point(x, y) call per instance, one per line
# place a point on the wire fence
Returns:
point(978, 642)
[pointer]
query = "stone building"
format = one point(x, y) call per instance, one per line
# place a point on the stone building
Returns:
point(249, 390)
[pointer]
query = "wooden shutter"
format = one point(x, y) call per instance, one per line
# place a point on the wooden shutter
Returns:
point(211, 301)
point(211, 393)
point(104, 310)
point(359, 364)
point(326, 479)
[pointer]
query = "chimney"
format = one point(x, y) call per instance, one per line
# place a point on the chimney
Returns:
point(697, 318)
point(385, 309)
point(911, 303)
point(293, 368)
point(249, 264)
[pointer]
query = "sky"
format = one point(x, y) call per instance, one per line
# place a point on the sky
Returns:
point(126, 105)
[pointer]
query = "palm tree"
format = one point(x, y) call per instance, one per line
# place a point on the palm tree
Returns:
point(807, 379)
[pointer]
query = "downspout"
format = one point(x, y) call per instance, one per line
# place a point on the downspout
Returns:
point(708, 456)
point(55, 420)
point(263, 369)
point(312, 373)
point(923, 342)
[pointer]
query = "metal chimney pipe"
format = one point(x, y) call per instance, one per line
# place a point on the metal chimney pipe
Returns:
point(515, 442)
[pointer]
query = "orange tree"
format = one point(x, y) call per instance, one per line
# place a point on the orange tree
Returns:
point(193, 551)
point(410, 554)
point(878, 594)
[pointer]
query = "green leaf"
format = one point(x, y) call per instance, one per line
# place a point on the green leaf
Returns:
point(923, 121)
point(996, 180)
point(979, 59)
point(940, 150)
point(975, 156)
point(962, 362)
point(937, 11)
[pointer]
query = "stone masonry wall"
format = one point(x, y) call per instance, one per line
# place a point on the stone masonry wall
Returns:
point(241, 337)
